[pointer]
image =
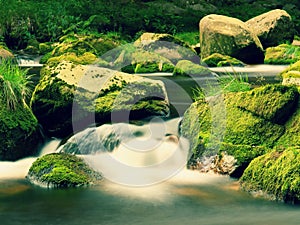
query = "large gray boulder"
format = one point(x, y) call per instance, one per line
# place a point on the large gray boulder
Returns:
point(71, 96)
point(229, 36)
point(273, 28)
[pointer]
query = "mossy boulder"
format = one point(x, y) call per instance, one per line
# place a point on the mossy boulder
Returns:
point(60, 170)
point(218, 60)
point(79, 45)
point(251, 123)
point(166, 46)
point(291, 74)
point(282, 54)
point(275, 175)
point(273, 28)
point(188, 68)
point(229, 36)
point(291, 137)
point(19, 132)
point(71, 94)
point(142, 61)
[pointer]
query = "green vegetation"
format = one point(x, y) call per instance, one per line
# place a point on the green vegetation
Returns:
point(188, 68)
point(14, 84)
point(60, 170)
point(219, 60)
point(253, 122)
point(282, 54)
point(276, 173)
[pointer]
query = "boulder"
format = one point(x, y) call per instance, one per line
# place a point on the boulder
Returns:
point(291, 75)
point(273, 28)
point(59, 170)
point(217, 60)
point(275, 175)
point(166, 46)
point(251, 125)
point(282, 54)
point(69, 94)
point(141, 61)
point(188, 68)
point(229, 36)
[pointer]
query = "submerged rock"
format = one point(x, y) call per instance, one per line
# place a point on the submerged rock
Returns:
point(273, 27)
point(229, 36)
point(71, 96)
point(275, 175)
point(251, 125)
point(59, 170)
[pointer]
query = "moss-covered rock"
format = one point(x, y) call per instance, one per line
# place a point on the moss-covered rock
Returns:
point(282, 54)
point(166, 46)
point(74, 45)
point(93, 92)
point(145, 62)
point(253, 123)
point(291, 74)
point(60, 170)
point(291, 137)
point(188, 68)
point(217, 60)
point(19, 133)
point(273, 28)
point(229, 36)
point(275, 175)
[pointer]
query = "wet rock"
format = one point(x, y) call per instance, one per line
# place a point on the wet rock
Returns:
point(59, 170)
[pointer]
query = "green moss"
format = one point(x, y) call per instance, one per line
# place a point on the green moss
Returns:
point(277, 174)
point(146, 62)
point(84, 59)
point(188, 68)
point(219, 60)
point(62, 171)
point(272, 102)
point(291, 137)
point(293, 67)
point(282, 54)
point(45, 48)
point(253, 123)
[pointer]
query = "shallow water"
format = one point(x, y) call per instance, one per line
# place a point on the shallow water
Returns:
point(188, 198)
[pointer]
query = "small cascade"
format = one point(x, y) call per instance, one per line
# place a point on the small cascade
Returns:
point(19, 169)
point(130, 154)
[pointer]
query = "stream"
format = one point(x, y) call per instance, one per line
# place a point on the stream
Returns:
point(181, 197)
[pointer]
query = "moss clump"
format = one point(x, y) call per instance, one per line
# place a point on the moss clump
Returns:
point(251, 126)
point(188, 68)
point(282, 54)
point(60, 170)
point(294, 68)
point(272, 102)
point(291, 137)
point(276, 174)
point(84, 59)
point(147, 62)
point(218, 60)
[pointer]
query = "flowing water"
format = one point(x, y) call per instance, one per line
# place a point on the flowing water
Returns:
point(150, 197)
point(147, 185)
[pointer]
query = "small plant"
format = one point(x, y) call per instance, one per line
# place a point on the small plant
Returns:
point(14, 84)
point(235, 82)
